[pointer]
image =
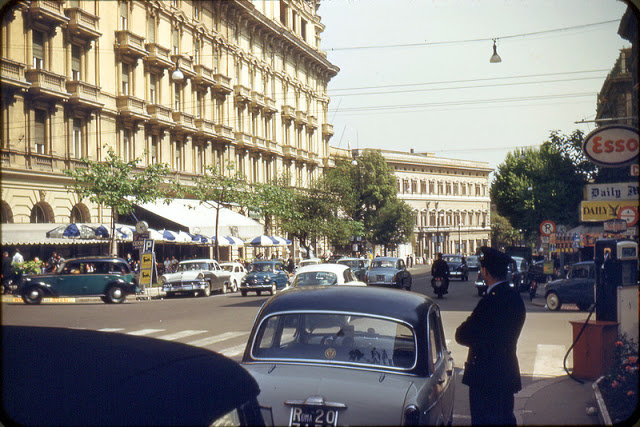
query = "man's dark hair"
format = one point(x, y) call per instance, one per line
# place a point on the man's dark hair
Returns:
point(496, 269)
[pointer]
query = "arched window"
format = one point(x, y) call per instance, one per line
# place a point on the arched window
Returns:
point(38, 215)
point(6, 215)
point(79, 213)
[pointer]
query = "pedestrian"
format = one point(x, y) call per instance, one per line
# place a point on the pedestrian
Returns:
point(174, 264)
point(7, 272)
point(167, 265)
point(491, 332)
point(52, 262)
point(291, 265)
point(131, 262)
point(17, 257)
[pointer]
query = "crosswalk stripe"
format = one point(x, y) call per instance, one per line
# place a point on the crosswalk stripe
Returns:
point(145, 332)
point(110, 329)
point(181, 334)
point(548, 361)
point(233, 351)
point(203, 342)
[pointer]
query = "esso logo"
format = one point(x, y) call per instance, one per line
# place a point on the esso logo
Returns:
point(612, 146)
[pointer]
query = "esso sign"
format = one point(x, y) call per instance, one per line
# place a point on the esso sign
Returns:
point(612, 146)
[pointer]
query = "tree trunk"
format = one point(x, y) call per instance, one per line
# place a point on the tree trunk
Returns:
point(113, 248)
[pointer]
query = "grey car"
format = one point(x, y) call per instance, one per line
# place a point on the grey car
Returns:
point(196, 277)
point(349, 355)
point(390, 272)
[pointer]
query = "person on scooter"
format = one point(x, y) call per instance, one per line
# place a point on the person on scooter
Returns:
point(440, 269)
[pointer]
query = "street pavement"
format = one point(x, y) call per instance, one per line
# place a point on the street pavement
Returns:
point(558, 400)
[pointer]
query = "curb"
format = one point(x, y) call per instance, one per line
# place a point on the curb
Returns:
point(603, 413)
point(154, 293)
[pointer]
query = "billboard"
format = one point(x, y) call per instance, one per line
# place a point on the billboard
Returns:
point(598, 211)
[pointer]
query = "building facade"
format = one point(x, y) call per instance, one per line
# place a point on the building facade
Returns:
point(618, 100)
point(80, 77)
point(450, 199)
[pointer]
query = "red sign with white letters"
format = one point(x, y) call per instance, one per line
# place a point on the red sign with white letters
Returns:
point(612, 146)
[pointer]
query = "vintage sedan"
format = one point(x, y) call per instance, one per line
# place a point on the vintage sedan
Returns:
point(267, 275)
point(359, 266)
point(237, 272)
point(457, 266)
point(107, 277)
point(473, 262)
point(388, 271)
point(350, 355)
point(198, 277)
point(576, 289)
point(325, 275)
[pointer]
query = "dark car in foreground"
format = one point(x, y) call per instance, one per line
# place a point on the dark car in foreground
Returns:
point(457, 267)
point(348, 355)
point(72, 377)
point(576, 289)
point(388, 271)
point(268, 276)
point(107, 277)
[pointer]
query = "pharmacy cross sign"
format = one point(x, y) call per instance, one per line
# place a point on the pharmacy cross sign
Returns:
point(547, 227)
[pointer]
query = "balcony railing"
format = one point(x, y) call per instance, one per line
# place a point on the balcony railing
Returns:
point(184, 122)
point(224, 133)
point(259, 143)
point(242, 94)
point(288, 112)
point(312, 122)
point(301, 118)
point(158, 56)
point(46, 84)
point(269, 105)
point(204, 76)
point(206, 128)
point(222, 84)
point(243, 139)
point(82, 23)
point(257, 100)
point(160, 115)
point(84, 94)
point(288, 151)
point(327, 130)
point(130, 106)
point(48, 11)
point(130, 44)
point(12, 74)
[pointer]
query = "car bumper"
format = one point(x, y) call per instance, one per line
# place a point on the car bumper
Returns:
point(456, 274)
point(255, 287)
point(185, 286)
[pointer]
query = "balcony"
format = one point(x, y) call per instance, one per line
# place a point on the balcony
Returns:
point(327, 130)
point(82, 24)
point(131, 107)
point(12, 75)
point(84, 95)
point(312, 122)
point(288, 152)
point(269, 106)
point(204, 77)
point(314, 158)
point(288, 113)
point(206, 128)
point(222, 84)
point(328, 162)
point(259, 143)
point(158, 56)
point(185, 123)
point(224, 133)
point(160, 116)
point(185, 64)
point(130, 45)
point(257, 100)
point(301, 118)
point(243, 140)
point(241, 94)
point(46, 84)
point(49, 12)
point(302, 154)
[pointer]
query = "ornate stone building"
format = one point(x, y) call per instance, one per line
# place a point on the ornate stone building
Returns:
point(450, 199)
point(81, 76)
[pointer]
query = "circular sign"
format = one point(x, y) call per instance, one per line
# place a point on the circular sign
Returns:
point(612, 146)
point(142, 227)
point(629, 214)
point(547, 227)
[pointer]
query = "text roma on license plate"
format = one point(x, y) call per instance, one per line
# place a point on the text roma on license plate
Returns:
point(311, 416)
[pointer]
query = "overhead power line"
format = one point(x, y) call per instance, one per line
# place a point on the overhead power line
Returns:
point(533, 33)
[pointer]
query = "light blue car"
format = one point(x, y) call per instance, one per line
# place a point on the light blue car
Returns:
point(268, 275)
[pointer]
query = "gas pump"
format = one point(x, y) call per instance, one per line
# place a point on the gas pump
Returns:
point(616, 264)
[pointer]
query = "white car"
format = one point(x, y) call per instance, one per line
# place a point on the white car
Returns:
point(323, 275)
point(196, 277)
point(237, 271)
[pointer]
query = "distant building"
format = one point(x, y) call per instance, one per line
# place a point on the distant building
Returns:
point(617, 100)
point(450, 199)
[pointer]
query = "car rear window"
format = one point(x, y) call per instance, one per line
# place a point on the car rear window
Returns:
point(335, 338)
point(384, 264)
point(315, 278)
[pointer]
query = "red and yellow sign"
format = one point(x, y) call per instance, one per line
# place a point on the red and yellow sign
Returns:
point(605, 210)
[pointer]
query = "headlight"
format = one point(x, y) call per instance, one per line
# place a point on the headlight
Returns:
point(163, 280)
point(200, 276)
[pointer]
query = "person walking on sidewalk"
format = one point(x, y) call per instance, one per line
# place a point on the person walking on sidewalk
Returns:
point(491, 332)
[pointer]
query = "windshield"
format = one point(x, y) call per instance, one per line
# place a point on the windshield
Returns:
point(353, 263)
point(315, 278)
point(261, 267)
point(190, 266)
point(452, 258)
point(384, 264)
point(227, 267)
point(340, 338)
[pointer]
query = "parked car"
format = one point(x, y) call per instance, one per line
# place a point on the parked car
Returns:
point(512, 269)
point(309, 261)
point(348, 355)
point(325, 275)
point(457, 267)
point(107, 277)
point(268, 275)
point(388, 271)
point(198, 277)
point(577, 288)
point(536, 272)
point(519, 273)
point(237, 272)
point(358, 266)
point(473, 262)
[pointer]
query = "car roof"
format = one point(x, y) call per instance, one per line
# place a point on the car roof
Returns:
point(386, 258)
point(198, 260)
point(266, 261)
point(409, 307)
point(352, 259)
point(333, 268)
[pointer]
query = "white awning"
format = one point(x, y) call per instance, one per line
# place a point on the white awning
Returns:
point(36, 234)
point(201, 218)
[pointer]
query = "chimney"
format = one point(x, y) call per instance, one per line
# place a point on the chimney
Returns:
point(411, 150)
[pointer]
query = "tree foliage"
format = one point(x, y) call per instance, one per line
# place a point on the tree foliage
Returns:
point(502, 232)
point(118, 185)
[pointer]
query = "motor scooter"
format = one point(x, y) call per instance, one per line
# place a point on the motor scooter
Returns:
point(440, 285)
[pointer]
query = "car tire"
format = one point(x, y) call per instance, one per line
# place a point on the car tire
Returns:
point(207, 290)
point(234, 286)
point(224, 288)
point(243, 293)
point(33, 295)
point(115, 294)
point(274, 287)
point(553, 301)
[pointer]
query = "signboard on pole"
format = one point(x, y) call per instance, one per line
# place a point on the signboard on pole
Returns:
point(602, 211)
point(146, 269)
point(613, 191)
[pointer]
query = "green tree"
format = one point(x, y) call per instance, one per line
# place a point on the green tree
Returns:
point(219, 186)
point(502, 232)
point(118, 185)
point(533, 185)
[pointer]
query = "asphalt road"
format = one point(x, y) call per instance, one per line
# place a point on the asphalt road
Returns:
point(222, 323)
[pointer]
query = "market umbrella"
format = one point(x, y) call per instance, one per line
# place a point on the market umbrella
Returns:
point(282, 241)
point(124, 232)
point(155, 235)
point(262, 241)
point(169, 236)
point(228, 241)
point(101, 231)
point(184, 237)
point(76, 231)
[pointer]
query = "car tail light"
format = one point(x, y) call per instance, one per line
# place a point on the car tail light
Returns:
point(411, 416)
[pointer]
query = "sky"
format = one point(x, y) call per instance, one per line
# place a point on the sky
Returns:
point(444, 96)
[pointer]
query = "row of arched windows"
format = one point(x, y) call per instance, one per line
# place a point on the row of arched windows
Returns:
point(449, 188)
point(42, 213)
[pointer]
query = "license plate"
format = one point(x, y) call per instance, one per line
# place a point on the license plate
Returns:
point(380, 278)
point(311, 416)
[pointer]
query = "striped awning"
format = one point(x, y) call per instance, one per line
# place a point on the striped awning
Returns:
point(36, 234)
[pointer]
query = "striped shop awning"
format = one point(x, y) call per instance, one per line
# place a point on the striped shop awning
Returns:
point(36, 234)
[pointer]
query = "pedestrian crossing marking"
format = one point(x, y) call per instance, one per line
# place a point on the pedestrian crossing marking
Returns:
point(233, 351)
point(110, 329)
point(145, 332)
point(203, 342)
point(548, 360)
point(181, 334)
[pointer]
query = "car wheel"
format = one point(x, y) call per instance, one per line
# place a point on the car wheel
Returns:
point(553, 301)
point(258, 293)
point(224, 288)
point(115, 294)
point(33, 295)
point(244, 293)
point(273, 288)
point(207, 290)
point(234, 287)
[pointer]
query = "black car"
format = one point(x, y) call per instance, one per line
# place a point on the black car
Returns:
point(457, 267)
point(577, 288)
point(536, 273)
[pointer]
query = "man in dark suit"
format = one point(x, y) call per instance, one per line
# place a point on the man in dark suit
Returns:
point(491, 332)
